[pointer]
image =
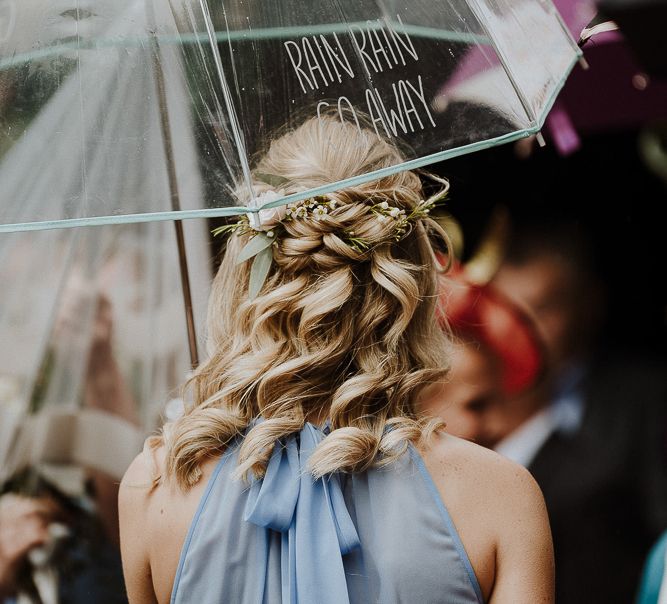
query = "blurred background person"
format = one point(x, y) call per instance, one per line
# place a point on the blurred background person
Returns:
point(548, 271)
point(58, 545)
point(496, 356)
point(593, 432)
point(24, 526)
point(54, 549)
point(584, 208)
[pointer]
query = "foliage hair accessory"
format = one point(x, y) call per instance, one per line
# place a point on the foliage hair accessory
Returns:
point(266, 225)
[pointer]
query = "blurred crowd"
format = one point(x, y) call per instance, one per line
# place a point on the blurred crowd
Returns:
point(590, 424)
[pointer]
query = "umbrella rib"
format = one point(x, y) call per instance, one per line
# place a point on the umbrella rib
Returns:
point(479, 14)
point(241, 210)
point(233, 119)
point(84, 168)
point(273, 33)
point(176, 205)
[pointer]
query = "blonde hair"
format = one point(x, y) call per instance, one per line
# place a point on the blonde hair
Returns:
point(336, 332)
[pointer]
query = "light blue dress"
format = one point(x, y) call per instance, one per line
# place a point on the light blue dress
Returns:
point(382, 536)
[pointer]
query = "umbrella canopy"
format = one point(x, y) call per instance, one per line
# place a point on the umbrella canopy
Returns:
point(93, 335)
point(475, 81)
point(137, 110)
point(614, 93)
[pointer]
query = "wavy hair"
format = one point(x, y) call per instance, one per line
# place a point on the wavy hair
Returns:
point(336, 332)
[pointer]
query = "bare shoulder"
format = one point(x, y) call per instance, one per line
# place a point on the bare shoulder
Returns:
point(500, 515)
point(480, 472)
point(140, 485)
point(155, 516)
point(142, 471)
point(134, 507)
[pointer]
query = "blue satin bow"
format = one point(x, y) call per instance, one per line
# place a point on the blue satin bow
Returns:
point(317, 530)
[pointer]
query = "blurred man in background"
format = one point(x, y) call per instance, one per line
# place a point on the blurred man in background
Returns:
point(496, 357)
point(594, 432)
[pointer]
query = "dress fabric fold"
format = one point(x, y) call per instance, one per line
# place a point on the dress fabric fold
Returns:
point(312, 518)
point(382, 535)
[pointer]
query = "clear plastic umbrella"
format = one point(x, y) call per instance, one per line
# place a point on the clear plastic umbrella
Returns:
point(131, 111)
point(69, 71)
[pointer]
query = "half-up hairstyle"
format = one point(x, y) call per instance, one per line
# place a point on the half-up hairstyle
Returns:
point(336, 331)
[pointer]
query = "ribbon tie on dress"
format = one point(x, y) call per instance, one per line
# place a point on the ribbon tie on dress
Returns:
point(317, 530)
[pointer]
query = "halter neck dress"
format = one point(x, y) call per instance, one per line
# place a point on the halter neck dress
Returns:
point(381, 536)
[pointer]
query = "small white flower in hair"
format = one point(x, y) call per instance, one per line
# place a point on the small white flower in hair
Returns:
point(396, 212)
point(265, 220)
point(384, 205)
point(320, 212)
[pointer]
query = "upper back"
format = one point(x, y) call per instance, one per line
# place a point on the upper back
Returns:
point(426, 527)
